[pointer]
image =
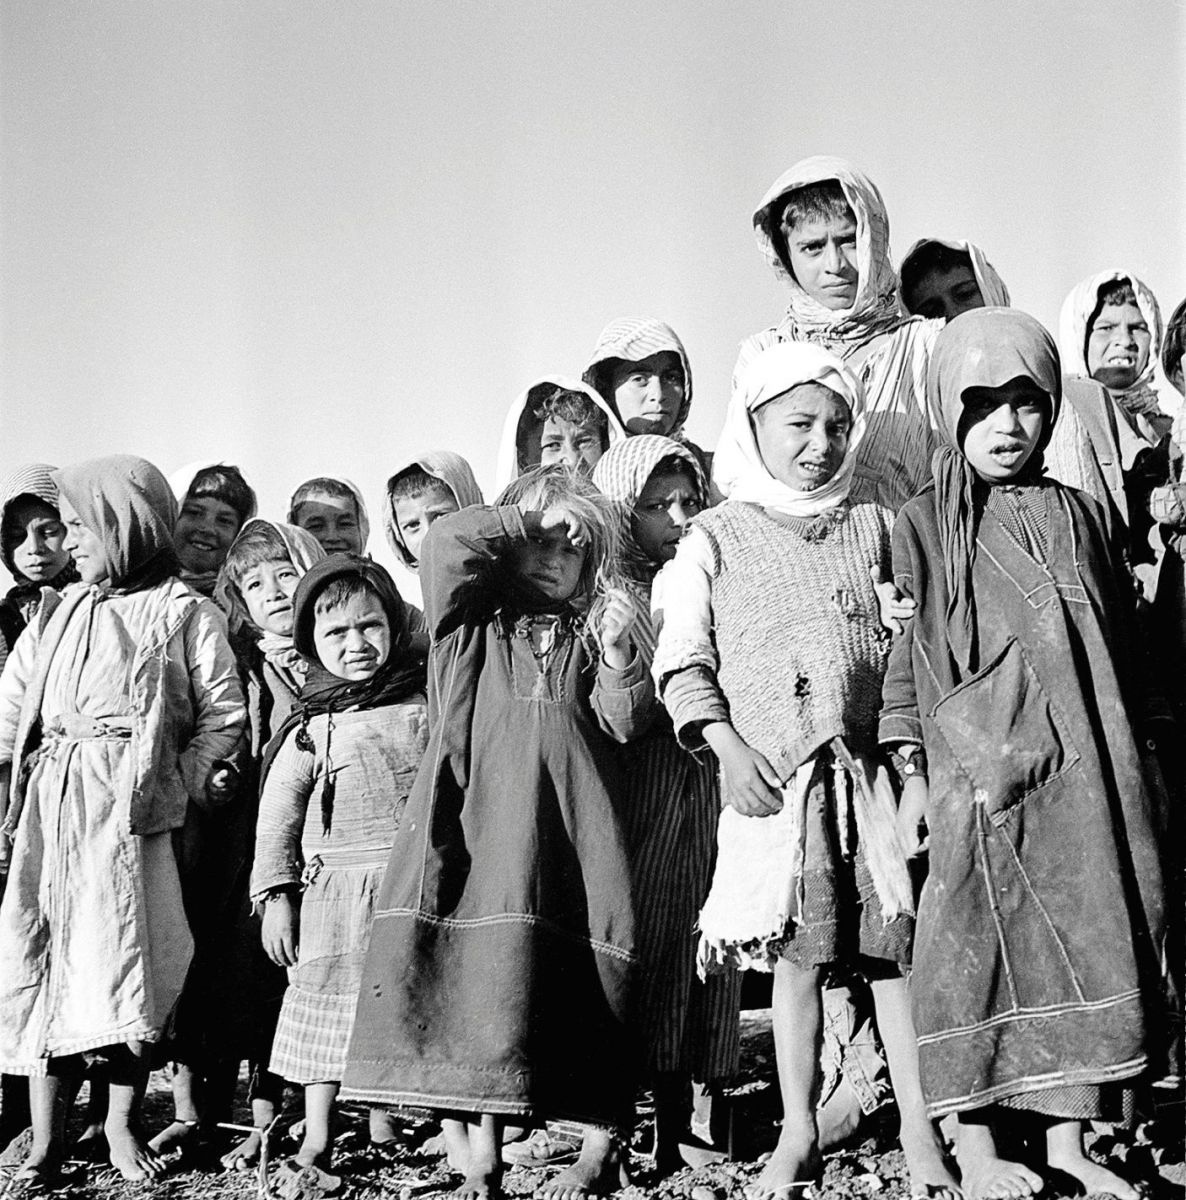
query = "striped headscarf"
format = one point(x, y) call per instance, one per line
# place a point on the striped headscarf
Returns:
point(992, 287)
point(33, 479)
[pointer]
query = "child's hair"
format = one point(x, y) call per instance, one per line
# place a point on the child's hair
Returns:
point(321, 486)
point(413, 482)
point(1174, 345)
point(1118, 291)
point(575, 407)
point(225, 484)
point(928, 258)
point(258, 544)
point(339, 591)
point(823, 201)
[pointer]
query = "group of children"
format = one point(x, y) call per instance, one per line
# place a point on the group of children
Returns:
point(864, 700)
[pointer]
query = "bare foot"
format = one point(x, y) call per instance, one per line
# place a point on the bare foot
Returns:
point(176, 1137)
point(382, 1127)
point(482, 1185)
point(931, 1177)
point(306, 1180)
point(132, 1158)
point(987, 1176)
point(43, 1165)
point(597, 1172)
point(243, 1156)
point(1094, 1178)
point(791, 1170)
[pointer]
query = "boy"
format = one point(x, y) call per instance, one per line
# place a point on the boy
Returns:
point(334, 512)
point(942, 279)
point(214, 500)
point(437, 483)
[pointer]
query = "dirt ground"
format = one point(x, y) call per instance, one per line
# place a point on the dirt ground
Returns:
point(871, 1168)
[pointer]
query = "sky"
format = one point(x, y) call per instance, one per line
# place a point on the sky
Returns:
point(317, 238)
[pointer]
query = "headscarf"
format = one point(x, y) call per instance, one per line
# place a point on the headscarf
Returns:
point(35, 480)
point(631, 339)
point(364, 520)
point(520, 417)
point(875, 307)
point(622, 473)
point(453, 471)
point(1175, 340)
point(1141, 400)
point(738, 468)
point(984, 347)
point(128, 504)
point(403, 675)
point(992, 287)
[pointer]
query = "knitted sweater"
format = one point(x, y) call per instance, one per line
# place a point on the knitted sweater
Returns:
point(795, 642)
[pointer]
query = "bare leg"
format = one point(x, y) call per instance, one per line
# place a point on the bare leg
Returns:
point(456, 1135)
point(1064, 1151)
point(382, 1127)
point(130, 1155)
point(925, 1160)
point(245, 1154)
point(483, 1173)
point(92, 1142)
point(597, 1172)
point(317, 1147)
point(182, 1131)
point(671, 1093)
point(986, 1175)
point(47, 1112)
point(797, 1014)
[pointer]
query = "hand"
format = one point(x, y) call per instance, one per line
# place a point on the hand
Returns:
point(221, 784)
point(894, 606)
point(748, 782)
point(280, 929)
point(912, 816)
point(616, 622)
point(558, 517)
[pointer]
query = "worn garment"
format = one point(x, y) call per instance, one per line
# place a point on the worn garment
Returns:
point(453, 471)
point(992, 287)
point(885, 350)
point(498, 977)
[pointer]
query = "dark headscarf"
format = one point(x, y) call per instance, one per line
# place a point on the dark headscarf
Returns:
point(128, 504)
point(984, 347)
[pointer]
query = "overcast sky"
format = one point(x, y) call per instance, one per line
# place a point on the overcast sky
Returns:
point(317, 237)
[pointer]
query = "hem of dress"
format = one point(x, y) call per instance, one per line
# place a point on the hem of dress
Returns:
point(38, 1068)
point(474, 1104)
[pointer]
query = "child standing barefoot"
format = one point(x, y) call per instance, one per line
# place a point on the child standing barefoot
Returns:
point(771, 654)
point(112, 712)
point(335, 781)
point(497, 979)
point(1041, 924)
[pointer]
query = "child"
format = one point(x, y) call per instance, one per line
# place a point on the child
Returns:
point(335, 781)
point(1173, 348)
point(771, 654)
point(334, 512)
point(1040, 927)
point(669, 809)
point(497, 979)
point(114, 709)
point(940, 280)
point(214, 500)
point(556, 420)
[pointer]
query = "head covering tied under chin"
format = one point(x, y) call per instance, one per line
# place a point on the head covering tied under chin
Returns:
point(982, 348)
point(738, 468)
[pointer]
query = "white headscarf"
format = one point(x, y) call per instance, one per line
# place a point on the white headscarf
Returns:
point(992, 287)
point(738, 468)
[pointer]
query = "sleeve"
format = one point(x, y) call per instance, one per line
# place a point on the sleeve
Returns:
point(216, 694)
point(18, 671)
point(624, 700)
point(282, 806)
point(458, 563)
point(900, 720)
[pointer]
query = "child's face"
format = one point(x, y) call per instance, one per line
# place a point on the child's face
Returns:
point(946, 294)
point(649, 394)
point(578, 447)
point(550, 563)
point(823, 256)
point(205, 529)
point(1001, 427)
point(662, 512)
point(333, 521)
point(267, 592)
point(414, 515)
point(1118, 346)
point(33, 539)
point(83, 545)
point(802, 435)
point(353, 639)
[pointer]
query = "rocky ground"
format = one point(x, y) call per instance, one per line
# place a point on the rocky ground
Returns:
point(870, 1169)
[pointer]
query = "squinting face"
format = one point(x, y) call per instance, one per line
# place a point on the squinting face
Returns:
point(802, 435)
point(267, 592)
point(550, 563)
point(414, 515)
point(662, 512)
point(353, 639)
point(823, 256)
point(204, 532)
point(1118, 346)
point(1001, 427)
point(577, 447)
point(84, 546)
point(333, 521)
point(946, 294)
point(649, 393)
point(34, 539)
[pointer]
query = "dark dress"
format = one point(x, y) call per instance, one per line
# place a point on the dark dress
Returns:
point(1040, 929)
point(500, 963)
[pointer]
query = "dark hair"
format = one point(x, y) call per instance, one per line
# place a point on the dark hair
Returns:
point(225, 484)
point(338, 591)
point(576, 407)
point(259, 543)
point(930, 258)
point(323, 485)
point(1115, 291)
point(1174, 345)
point(676, 464)
point(823, 201)
point(413, 482)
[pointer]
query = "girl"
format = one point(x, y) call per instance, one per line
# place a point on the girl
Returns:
point(1041, 926)
point(771, 654)
point(114, 708)
point(497, 979)
point(335, 780)
point(213, 502)
point(334, 512)
point(669, 809)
